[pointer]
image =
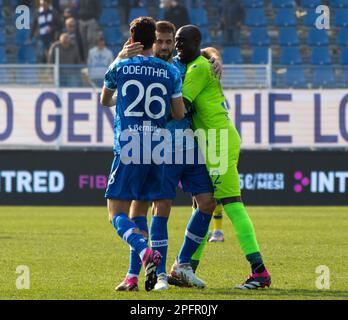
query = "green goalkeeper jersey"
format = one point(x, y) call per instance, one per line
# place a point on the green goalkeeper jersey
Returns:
point(210, 111)
point(204, 91)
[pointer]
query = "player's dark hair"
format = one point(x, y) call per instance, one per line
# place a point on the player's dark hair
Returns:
point(165, 27)
point(143, 30)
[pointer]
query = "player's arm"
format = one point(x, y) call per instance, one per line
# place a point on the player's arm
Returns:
point(177, 101)
point(108, 97)
point(196, 79)
point(178, 108)
point(214, 56)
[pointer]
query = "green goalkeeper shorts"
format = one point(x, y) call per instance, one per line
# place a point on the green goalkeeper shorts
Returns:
point(222, 162)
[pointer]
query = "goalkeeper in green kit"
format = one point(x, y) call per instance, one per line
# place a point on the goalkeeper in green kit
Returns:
point(203, 95)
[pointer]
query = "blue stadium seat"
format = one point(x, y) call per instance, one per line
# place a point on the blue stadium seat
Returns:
point(109, 3)
point(3, 56)
point(320, 55)
point(113, 36)
point(339, 3)
point(253, 3)
point(136, 13)
point(13, 3)
point(255, 18)
point(344, 56)
point(232, 55)
point(345, 75)
point(21, 36)
point(341, 18)
point(26, 54)
point(198, 17)
point(109, 17)
point(2, 22)
point(259, 37)
point(283, 3)
point(285, 18)
point(206, 39)
point(2, 38)
point(288, 37)
point(310, 3)
point(342, 37)
point(295, 77)
point(115, 49)
point(290, 55)
point(323, 76)
point(160, 14)
point(260, 55)
point(310, 18)
point(317, 37)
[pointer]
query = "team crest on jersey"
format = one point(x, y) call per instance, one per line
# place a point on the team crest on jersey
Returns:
point(192, 67)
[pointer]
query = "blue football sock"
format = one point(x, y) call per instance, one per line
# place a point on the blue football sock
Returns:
point(159, 240)
point(134, 259)
point(125, 229)
point(196, 230)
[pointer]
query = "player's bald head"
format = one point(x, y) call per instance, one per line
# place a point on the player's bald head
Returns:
point(191, 32)
point(187, 43)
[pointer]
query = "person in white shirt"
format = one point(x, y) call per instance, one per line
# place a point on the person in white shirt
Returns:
point(99, 59)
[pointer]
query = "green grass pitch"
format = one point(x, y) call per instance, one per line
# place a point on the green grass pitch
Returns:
point(73, 253)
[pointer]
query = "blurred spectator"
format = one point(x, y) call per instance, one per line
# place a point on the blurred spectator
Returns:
point(99, 59)
point(175, 13)
point(68, 56)
point(233, 15)
point(68, 52)
point(89, 12)
point(47, 21)
point(71, 28)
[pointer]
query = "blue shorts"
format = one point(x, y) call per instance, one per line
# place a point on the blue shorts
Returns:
point(142, 182)
point(194, 178)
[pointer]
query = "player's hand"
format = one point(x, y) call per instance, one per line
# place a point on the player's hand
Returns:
point(130, 50)
point(217, 66)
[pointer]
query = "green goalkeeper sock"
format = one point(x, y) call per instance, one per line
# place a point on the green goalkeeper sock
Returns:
point(199, 252)
point(195, 259)
point(243, 227)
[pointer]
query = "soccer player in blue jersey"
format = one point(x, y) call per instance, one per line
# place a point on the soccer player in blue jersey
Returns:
point(194, 178)
point(148, 90)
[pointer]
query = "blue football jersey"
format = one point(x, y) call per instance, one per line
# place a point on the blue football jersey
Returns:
point(145, 87)
point(181, 144)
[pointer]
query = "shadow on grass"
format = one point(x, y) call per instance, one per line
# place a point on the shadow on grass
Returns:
point(286, 293)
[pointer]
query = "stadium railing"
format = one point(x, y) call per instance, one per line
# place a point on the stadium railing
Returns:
point(29, 75)
point(247, 76)
point(235, 76)
point(69, 76)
